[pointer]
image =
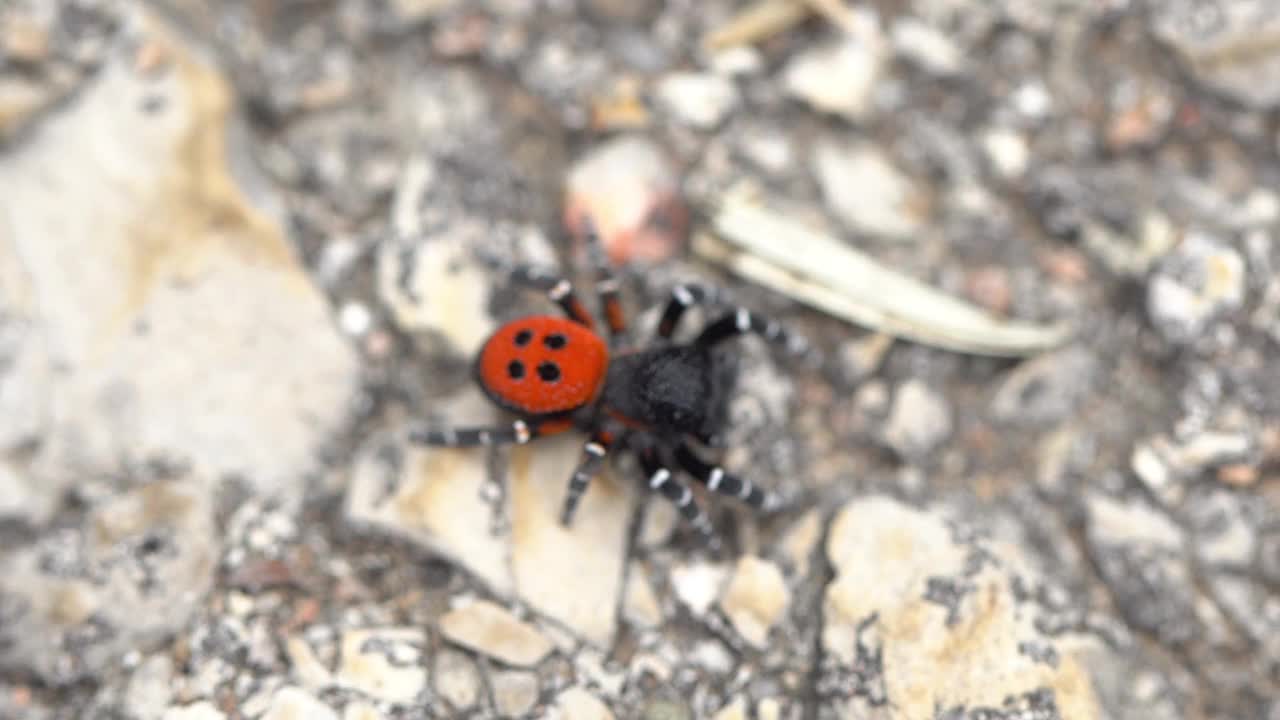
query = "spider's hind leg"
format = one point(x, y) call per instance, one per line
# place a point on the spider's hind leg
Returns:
point(717, 480)
point(662, 480)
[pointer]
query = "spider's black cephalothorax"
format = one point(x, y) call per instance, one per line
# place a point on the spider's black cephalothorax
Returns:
point(672, 390)
point(651, 400)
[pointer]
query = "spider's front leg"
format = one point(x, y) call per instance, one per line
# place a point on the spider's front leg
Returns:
point(557, 288)
point(742, 321)
point(607, 286)
point(518, 433)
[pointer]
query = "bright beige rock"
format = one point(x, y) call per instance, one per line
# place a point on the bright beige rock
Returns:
point(886, 554)
point(588, 557)
point(579, 704)
point(755, 599)
point(492, 631)
point(385, 663)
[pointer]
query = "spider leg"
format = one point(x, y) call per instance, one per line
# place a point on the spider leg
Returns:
point(557, 288)
point(717, 480)
point(662, 480)
point(593, 454)
point(742, 321)
point(607, 286)
point(518, 433)
point(683, 297)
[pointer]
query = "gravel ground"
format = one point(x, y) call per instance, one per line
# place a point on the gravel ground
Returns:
point(246, 246)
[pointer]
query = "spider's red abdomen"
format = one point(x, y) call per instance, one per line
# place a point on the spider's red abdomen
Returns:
point(542, 364)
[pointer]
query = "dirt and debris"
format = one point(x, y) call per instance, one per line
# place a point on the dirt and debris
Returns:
point(1031, 469)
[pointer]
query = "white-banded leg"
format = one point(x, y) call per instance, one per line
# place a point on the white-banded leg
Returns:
point(719, 481)
point(558, 289)
point(593, 455)
point(607, 285)
point(741, 321)
point(662, 480)
point(682, 298)
point(518, 433)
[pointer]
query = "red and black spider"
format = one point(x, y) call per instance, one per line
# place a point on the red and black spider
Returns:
point(556, 373)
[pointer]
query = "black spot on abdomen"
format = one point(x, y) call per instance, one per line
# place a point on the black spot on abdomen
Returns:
point(549, 371)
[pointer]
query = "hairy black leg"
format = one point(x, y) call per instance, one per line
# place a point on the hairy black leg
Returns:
point(742, 321)
point(683, 297)
point(717, 480)
point(518, 432)
point(607, 286)
point(593, 454)
point(662, 480)
point(557, 288)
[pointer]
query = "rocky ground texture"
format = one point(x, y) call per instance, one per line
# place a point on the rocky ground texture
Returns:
point(242, 252)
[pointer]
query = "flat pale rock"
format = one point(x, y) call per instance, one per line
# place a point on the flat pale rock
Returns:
point(937, 605)
point(435, 497)
point(384, 663)
point(572, 574)
point(490, 630)
point(180, 321)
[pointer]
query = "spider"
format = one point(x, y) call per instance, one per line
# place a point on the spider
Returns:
point(557, 373)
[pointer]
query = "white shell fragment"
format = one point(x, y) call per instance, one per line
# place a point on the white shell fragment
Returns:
point(823, 272)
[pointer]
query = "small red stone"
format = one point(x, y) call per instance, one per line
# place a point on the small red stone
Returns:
point(631, 192)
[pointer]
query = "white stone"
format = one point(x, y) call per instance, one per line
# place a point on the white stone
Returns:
point(701, 101)
point(919, 422)
point(355, 318)
point(755, 599)
point(737, 61)
point(361, 711)
point(926, 45)
point(1033, 100)
point(203, 710)
point(838, 78)
point(698, 585)
point(150, 687)
point(291, 703)
point(1007, 151)
point(384, 663)
point(1201, 279)
point(577, 703)
point(867, 192)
